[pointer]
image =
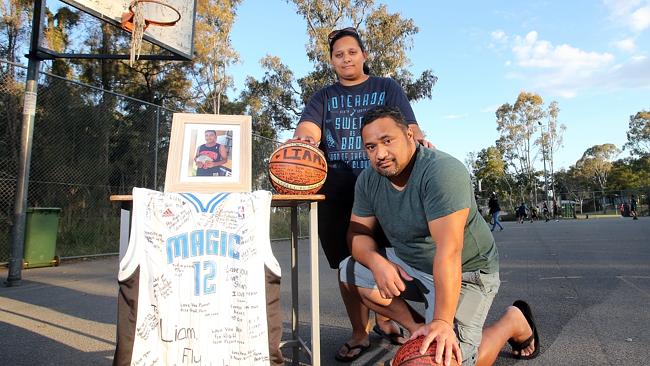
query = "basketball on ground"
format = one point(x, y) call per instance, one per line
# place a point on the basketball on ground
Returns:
point(297, 168)
point(409, 355)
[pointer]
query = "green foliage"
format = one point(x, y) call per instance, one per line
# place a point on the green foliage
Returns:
point(271, 101)
point(14, 20)
point(573, 183)
point(86, 234)
point(597, 162)
point(213, 52)
point(55, 32)
point(630, 174)
point(280, 223)
point(518, 125)
point(490, 169)
point(638, 134)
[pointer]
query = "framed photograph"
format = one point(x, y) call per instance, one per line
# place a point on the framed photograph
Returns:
point(209, 153)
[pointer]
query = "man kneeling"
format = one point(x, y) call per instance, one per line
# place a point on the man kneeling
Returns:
point(442, 253)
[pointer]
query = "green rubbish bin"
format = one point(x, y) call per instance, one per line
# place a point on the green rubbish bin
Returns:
point(41, 229)
point(568, 210)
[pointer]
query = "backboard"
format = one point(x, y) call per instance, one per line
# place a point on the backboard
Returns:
point(177, 39)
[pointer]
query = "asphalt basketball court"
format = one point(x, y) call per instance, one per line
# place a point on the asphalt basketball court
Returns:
point(587, 280)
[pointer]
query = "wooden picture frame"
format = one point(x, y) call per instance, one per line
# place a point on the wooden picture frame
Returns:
point(196, 161)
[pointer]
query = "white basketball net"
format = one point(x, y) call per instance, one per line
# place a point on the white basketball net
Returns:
point(138, 32)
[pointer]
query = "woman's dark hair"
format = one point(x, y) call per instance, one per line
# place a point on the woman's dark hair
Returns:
point(352, 32)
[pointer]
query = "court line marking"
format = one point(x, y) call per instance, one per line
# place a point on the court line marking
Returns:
point(625, 279)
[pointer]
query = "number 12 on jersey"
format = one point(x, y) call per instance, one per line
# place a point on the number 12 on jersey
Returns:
point(207, 274)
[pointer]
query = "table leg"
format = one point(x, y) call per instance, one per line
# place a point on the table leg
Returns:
point(125, 227)
point(294, 285)
point(315, 288)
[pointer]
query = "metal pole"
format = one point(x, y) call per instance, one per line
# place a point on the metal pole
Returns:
point(544, 158)
point(155, 159)
point(315, 288)
point(550, 154)
point(22, 180)
point(295, 357)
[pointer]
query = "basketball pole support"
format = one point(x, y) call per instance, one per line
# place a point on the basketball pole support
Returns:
point(22, 180)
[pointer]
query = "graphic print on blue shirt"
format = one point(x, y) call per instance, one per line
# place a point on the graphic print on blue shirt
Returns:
point(344, 117)
point(339, 111)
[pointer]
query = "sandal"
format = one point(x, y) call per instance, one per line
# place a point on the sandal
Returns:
point(393, 338)
point(519, 346)
point(361, 347)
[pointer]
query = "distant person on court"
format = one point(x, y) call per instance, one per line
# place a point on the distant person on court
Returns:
point(521, 213)
point(210, 156)
point(545, 212)
point(332, 120)
point(533, 213)
point(633, 204)
point(495, 211)
point(556, 210)
point(442, 250)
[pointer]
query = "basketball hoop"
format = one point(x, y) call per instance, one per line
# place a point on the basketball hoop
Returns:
point(143, 13)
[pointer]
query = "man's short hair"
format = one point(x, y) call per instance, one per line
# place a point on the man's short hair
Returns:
point(213, 131)
point(384, 112)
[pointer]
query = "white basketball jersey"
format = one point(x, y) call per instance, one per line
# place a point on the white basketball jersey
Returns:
point(201, 297)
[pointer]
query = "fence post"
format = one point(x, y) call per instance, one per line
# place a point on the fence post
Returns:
point(155, 159)
point(27, 134)
point(593, 196)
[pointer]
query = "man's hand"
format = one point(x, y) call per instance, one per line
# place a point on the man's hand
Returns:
point(446, 343)
point(389, 278)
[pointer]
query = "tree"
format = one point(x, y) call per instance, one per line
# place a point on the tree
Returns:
point(56, 36)
point(490, 169)
point(596, 163)
point(15, 15)
point(573, 184)
point(517, 125)
point(638, 134)
point(630, 174)
point(551, 138)
point(272, 101)
point(214, 52)
point(387, 38)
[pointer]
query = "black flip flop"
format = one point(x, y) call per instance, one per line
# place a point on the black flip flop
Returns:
point(519, 346)
point(361, 347)
point(393, 338)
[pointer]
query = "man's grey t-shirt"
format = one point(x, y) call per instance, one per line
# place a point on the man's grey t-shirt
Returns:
point(438, 186)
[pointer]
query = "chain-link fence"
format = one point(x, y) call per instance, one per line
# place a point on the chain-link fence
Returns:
point(610, 201)
point(88, 144)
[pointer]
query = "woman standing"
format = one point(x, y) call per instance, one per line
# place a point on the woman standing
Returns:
point(331, 120)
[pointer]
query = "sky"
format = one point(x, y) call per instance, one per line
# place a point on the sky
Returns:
point(592, 57)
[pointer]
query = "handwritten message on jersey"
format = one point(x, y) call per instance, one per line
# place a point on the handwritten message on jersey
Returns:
point(201, 296)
